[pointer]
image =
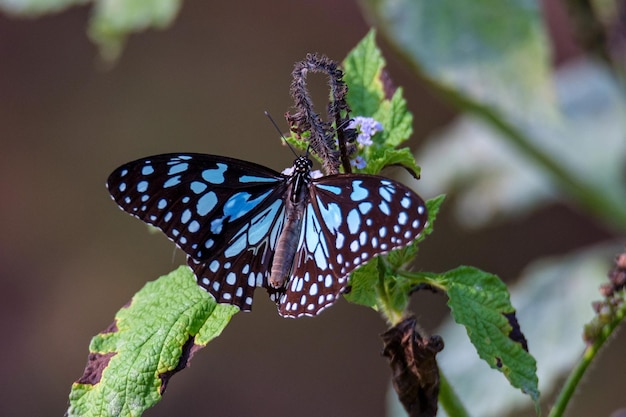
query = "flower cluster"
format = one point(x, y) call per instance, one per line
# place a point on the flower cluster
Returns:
point(366, 127)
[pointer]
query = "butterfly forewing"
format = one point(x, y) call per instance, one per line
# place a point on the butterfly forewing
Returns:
point(348, 220)
point(226, 214)
point(198, 201)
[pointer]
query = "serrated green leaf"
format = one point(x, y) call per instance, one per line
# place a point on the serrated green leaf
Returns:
point(153, 337)
point(368, 96)
point(363, 283)
point(480, 302)
point(396, 120)
point(381, 157)
point(363, 67)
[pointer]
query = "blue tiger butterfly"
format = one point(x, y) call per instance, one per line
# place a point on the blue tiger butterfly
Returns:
point(243, 225)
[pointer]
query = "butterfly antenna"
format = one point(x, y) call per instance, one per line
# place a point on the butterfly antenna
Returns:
point(281, 133)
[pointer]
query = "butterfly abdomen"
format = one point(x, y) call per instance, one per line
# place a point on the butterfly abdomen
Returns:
point(287, 245)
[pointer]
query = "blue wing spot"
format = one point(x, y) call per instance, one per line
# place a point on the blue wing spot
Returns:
point(330, 214)
point(124, 173)
point(384, 193)
point(209, 243)
point(147, 170)
point(178, 168)
point(231, 278)
point(260, 224)
point(206, 203)
point(182, 240)
point(162, 204)
point(330, 188)
point(153, 218)
point(186, 216)
point(175, 232)
point(198, 187)
point(127, 200)
point(145, 198)
point(168, 216)
point(142, 186)
point(216, 175)
point(237, 247)
point(240, 204)
point(354, 221)
point(365, 208)
point(172, 182)
point(185, 199)
point(193, 227)
point(214, 266)
point(251, 178)
point(358, 193)
point(216, 226)
point(384, 207)
point(405, 202)
point(402, 218)
point(122, 187)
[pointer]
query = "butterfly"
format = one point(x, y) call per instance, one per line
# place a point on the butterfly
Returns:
point(242, 225)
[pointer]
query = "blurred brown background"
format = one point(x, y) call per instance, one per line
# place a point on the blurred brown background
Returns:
point(69, 258)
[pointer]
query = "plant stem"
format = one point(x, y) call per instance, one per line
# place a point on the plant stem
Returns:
point(449, 400)
point(590, 353)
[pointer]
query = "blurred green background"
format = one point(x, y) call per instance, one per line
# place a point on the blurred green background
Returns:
point(69, 258)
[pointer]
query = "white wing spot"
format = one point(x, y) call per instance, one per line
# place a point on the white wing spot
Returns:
point(339, 241)
point(328, 281)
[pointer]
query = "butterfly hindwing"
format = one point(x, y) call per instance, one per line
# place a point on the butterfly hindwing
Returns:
point(231, 276)
point(348, 220)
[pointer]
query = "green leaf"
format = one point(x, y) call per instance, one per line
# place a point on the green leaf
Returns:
point(396, 119)
point(114, 20)
point(381, 157)
point(480, 302)
point(363, 283)
point(152, 338)
point(487, 52)
point(370, 96)
point(363, 67)
point(35, 8)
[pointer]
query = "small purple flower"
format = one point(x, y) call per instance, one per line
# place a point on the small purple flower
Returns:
point(367, 127)
point(358, 162)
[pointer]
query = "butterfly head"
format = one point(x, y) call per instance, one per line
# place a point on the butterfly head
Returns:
point(302, 165)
